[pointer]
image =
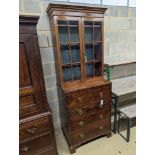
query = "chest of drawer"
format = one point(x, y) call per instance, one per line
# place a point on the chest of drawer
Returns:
point(43, 145)
point(34, 127)
point(88, 96)
point(92, 131)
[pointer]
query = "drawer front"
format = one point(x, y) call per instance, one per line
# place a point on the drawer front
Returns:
point(92, 131)
point(87, 110)
point(77, 123)
point(40, 146)
point(27, 105)
point(32, 128)
point(88, 96)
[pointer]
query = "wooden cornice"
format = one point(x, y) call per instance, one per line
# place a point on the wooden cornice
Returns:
point(74, 8)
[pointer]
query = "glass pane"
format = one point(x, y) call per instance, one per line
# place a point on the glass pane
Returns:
point(98, 67)
point(88, 30)
point(63, 34)
point(97, 23)
point(65, 54)
point(74, 34)
point(67, 76)
point(97, 33)
point(89, 52)
point(76, 72)
point(88, 33)
point(89, 69)
point(73, 22)
point(75, 53)
point(62, 22)
point(88, 23)
point(98, 51)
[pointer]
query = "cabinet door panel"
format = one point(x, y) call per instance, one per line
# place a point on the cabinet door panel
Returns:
point(30, 89)
point(68, 31)
point(93, 46)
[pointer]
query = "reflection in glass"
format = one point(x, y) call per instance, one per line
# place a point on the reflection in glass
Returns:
point(89, 52)
point(98, 51)
point(67, 76)
point(62, 22)
point(97, 34)
point(76, 72)
point(89, 69)
point(75, 53)
point(65, 55)
point(73, 22)
point(88, 23)
point(74, 34)
point(98, 70)
point(88, 34)
point(63, 34)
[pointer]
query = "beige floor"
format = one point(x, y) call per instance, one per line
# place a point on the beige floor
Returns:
point(115, 145)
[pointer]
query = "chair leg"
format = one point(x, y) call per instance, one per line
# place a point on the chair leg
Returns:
point(128, 129)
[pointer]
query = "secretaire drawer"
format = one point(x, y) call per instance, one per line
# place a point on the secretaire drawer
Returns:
point(34, 127)
point(88, 96)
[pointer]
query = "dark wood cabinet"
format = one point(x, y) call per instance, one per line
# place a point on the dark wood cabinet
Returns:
point(36, 132)
point(78, 35)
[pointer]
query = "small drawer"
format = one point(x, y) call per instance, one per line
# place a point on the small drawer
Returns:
point(92, 131)
point(34, 127)
point(27, 106)
point(39, 146)
point(77, 123)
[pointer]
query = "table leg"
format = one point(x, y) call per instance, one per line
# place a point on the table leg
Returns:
point(128, 129)
point(116, 112)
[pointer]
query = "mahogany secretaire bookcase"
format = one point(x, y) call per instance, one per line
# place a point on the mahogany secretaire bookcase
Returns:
point(78, 35)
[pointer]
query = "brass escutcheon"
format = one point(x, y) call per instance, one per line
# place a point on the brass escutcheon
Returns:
point(101, 116)
point(82, 135)
point(32, 130)
point(25, 148)
point(79, 99)
point(79, 111)
point(101, 127)
point(81, 123)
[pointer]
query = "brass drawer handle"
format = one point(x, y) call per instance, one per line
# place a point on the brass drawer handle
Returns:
point(79, 99)
point(79, 111)
point(81, 123)
point(101, 127)
point(32, 130)
point(101, 116)
point(82, 136)
point(25, 148)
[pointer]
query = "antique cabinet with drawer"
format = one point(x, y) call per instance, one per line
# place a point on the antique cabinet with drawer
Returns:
point(85, 96)
point(36, 132)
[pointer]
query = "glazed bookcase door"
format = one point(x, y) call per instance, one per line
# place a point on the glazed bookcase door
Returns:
point(93, 47)
point(68, 34)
